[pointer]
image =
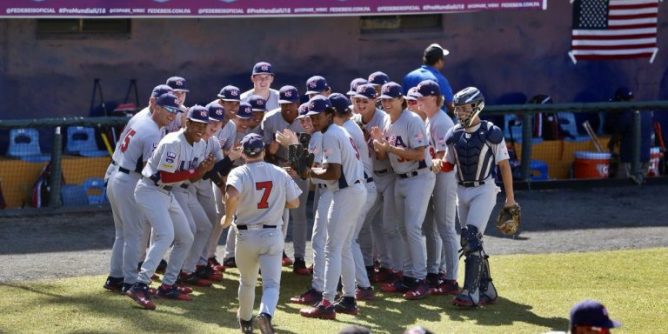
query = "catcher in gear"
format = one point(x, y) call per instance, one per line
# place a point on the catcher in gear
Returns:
point(475, 146)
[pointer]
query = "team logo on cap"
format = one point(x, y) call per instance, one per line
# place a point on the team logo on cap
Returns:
point(312, 84)
point(202, 113)
point(287, 93)
point(264, 67)
point(219, 112)
point(312, 105)
point(386, 89)
point(234, 92)
point(179, 82)
point(260, 102)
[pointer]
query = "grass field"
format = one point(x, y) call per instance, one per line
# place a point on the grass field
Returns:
point(536, 292)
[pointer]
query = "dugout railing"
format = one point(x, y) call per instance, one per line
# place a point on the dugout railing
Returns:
point(19, 176)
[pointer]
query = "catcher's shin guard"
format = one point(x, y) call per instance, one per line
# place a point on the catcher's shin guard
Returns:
point(470, 295)
point(471, 240)
point(488, 292)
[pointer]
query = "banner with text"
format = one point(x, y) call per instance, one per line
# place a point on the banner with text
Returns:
point(247, 8)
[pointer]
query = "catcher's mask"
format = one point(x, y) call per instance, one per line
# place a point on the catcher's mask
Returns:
point(469, 102)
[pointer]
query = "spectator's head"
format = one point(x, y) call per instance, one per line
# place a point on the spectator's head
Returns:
point(418, 330)
point(354, 329)
point(433, 55)
point(622, 94)
point(590, 316)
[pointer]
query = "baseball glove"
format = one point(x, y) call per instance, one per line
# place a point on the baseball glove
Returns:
point(300, 160)
point(304, 138)
point(508, 222)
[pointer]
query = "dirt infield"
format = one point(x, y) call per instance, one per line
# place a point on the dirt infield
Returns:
point(553, 221)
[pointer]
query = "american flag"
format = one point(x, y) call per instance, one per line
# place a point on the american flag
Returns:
point(614, 29)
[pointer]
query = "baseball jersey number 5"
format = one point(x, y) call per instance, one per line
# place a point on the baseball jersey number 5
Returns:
point(126, 140)
point(266, 186)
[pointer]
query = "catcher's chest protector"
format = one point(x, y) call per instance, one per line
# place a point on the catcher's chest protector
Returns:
point(474, 156)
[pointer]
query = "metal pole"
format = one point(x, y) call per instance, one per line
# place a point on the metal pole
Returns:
point(526, 145)
point(636, 173)
point(56, 171)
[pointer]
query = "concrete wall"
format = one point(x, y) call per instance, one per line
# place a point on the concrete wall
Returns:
point(501, 52)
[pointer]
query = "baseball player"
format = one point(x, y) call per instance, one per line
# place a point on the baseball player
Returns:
point(475, 146)
point(229, 99)
point(378, 79)
point(259, 108)
point(180, 156)
point(138, 140)
point(274, 122)
point(180, 89)
point(242, 120)
point(386, 238)
point(404, 142)
point(262, 78)
point(322, 201)
point(255, 197)
point(343, 118)
point(439, 226)
point(344, 174)
point(199, 218)
point(317, 85)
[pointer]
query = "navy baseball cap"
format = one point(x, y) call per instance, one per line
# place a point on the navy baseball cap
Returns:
point(391, 90)
point(303, 109)
point(428, 88)
point(169, 102)
point(592, 313)
point(366, 91)
point(412, 94)
point(161, 89)
point(318, 104)
point(435, 51)
point(245, 110)
point(288, 94)
point(216, 111)
point(378, 78)
point(178, 84)
point(257, 103)
point(316, 85)
point(252, 144)
point(340, 103)
point(262, 67)
point(230, 93)
point(198, 114)
point(354, 84)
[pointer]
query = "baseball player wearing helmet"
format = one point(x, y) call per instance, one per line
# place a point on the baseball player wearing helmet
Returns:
point(274, 122)
point(180, 156)
point(439, 227)
point(404, 141)
point(343, 118)
point(385, 231)
point(262, 78)
point(475, 146)
point(139, 139)
point(255, 197)
point(344, 174)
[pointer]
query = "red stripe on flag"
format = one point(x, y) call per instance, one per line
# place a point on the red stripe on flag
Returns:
point(631, 17)
point(615, 37)
point(614, 47)
point(598, 57)
point(633, 26)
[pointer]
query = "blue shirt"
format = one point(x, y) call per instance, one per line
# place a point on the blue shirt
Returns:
point(425, 72)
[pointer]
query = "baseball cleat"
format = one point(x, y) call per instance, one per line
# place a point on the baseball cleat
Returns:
point(464, 300)
point(114, 284)
point(215, 265)
point(447, 287)
point(310, 297)
point(208, 273)
point(192, 279)
point(139, 293)
point(230, 262)
point(264, 322)
point(346, 305)
point(172, 292)
point(246, 326)
point(420, 291)
point(286, 260)
point(299, 267)
point(383, 275)
point(365, 294)
point(324, 310)
point(396, 286)
point(433, 280)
